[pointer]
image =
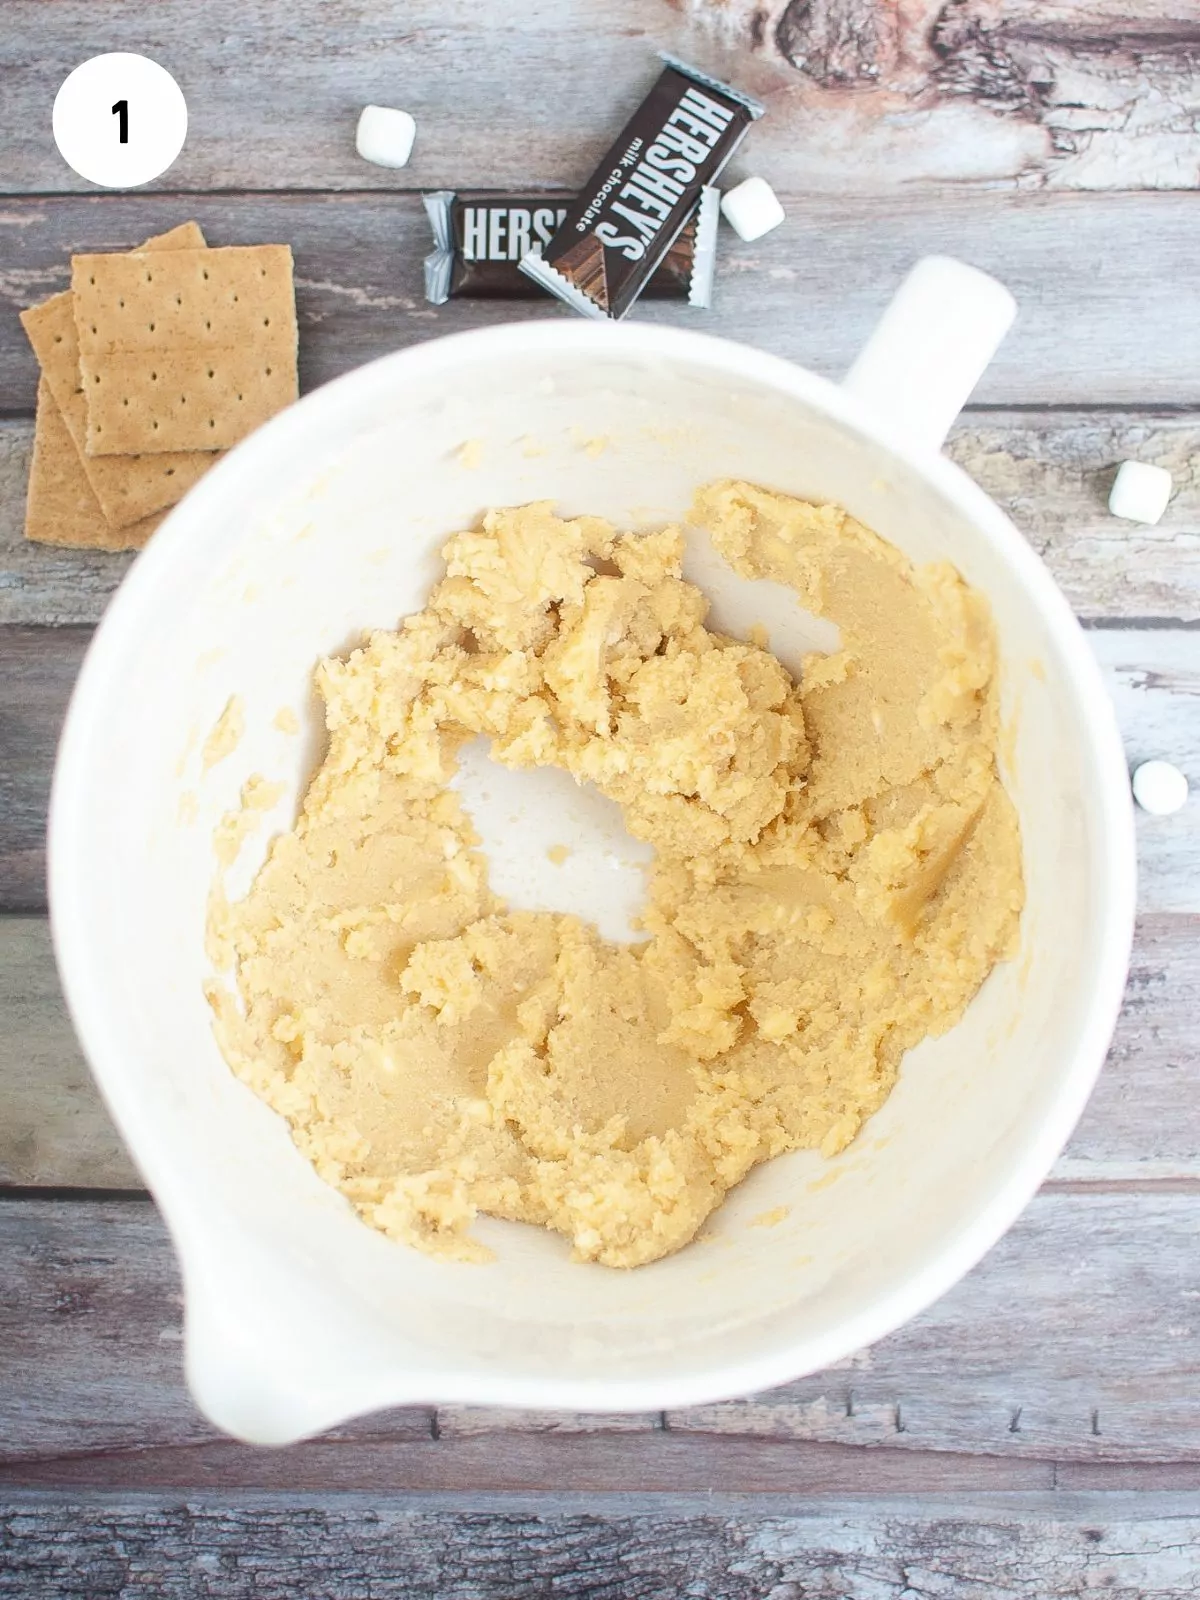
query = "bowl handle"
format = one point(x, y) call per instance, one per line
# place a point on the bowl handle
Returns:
point(930, 348)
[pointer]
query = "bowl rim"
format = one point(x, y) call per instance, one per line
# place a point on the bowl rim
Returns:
point(315, 418)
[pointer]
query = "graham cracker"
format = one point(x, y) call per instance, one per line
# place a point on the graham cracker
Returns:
point(184, 349)
point(60, 506)
point(128, 488)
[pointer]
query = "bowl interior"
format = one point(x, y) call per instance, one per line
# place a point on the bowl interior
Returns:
point(328, 523)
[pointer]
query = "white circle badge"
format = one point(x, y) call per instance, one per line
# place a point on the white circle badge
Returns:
point(120, 120)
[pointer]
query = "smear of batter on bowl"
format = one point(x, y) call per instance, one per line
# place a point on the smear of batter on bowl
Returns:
point(837, 868)
point(226, 733)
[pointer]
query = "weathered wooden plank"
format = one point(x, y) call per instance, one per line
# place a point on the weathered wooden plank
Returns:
point(1050, 471)
point(92, 1325)
point(80, 1546)
point(1059, 1345)
point(39, 669)
point(1145, 1477)
point(1143, 1120)
point(510, 1461)
point(470, 1422)
point(1142, 1125)
point(54, 1129)
point(810, 291)
point(90, 1333)
point(862, 94)
point(1154, 675)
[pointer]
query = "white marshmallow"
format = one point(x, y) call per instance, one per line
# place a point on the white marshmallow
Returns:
point(1160, 788)
point(1140, 492)
point(385, 136)
point(751, 208)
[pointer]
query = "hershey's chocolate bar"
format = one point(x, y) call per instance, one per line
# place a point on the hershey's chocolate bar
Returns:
point(633, 207)
point(479, 240)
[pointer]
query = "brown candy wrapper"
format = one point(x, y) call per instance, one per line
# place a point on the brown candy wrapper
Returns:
point(631, 211)
point(479, 240)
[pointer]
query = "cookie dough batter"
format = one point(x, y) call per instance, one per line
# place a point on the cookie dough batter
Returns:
point(837, 868)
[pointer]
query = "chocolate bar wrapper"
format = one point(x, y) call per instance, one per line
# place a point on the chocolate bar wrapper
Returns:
point(479, 240)
point(635, 204)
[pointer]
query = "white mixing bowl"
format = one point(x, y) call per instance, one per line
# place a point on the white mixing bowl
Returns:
point(328, 522)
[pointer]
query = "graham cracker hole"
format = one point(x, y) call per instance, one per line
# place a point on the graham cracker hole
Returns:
point(266, 322)
point(170, 472)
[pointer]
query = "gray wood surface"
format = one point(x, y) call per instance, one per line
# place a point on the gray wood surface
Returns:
point(992, 1448)
point(91, 1335)
point(874, 95)
point(54, 1129)
point(1141, 1126)
point(37, 671)
point(1032, 1546)
point(811, 290)
point(1051, 471)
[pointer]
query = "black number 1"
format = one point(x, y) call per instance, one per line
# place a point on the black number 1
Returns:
point(121, 109)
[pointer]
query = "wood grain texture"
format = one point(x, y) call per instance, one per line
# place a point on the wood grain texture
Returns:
point(1061, 1344)
point(983, 1450)
point(1142, 1123)
point(91, 1332)
point(1141, 1126)
point(54, 1128)
point(1052, 474)
point(812, 290)
point(92, 1325)
point(35, 685)
point(1153, 674)
point(1036, 1546)
point(1050, 471)
point(547, 1464)
point(861, 94)
point(470, 1422)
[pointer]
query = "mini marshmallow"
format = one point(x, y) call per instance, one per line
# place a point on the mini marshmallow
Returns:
point(385, 136)
point(751, 208)
point(1140, 492)
point(1160, 788)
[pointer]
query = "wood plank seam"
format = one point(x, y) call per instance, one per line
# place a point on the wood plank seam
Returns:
point(876, 95)
point(363, 291)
